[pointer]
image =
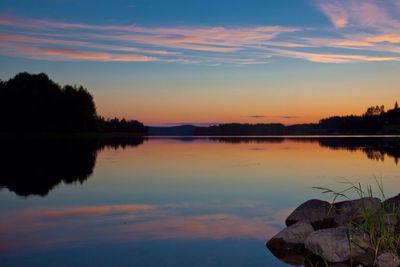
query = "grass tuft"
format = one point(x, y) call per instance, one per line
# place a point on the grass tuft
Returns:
point(380, 226)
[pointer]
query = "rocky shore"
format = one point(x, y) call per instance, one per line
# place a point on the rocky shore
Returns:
point(362, 232)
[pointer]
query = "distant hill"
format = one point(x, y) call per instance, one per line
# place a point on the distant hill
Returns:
point(173, 130)
point(372, 122)
point(242, 129)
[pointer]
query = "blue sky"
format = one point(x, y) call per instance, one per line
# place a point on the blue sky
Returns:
point(171, 12)
point(210, 61)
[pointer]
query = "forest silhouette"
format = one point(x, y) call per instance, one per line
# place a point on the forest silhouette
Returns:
point(35, 103)
point(374, 121)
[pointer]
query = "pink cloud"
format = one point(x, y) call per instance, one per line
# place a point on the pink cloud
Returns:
point(130, 39)
point(56, 226)
point(49, 53)
point(378, 38)
point(70, 54)
point(22, 38)
point(358, 13)
point(335, 12)
point(55, 40)
point(333, 57)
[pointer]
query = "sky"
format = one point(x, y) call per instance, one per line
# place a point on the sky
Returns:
point(168, 62)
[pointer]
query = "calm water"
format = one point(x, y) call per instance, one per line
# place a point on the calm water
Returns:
point(170, 202)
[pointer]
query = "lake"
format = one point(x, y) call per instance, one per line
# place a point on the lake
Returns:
point(210, 201)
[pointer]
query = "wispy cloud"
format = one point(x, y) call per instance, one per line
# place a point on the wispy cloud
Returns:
point(333, 57)
point(335, 12)
point(289, 117)
point(69, 40)
point(273, 116)
point(361, 31)
point(256, 116)
point(359, 13)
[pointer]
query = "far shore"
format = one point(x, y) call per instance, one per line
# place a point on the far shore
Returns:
point(130, 135)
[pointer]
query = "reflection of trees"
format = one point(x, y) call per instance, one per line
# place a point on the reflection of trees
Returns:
point(36, 166)
point(375, 148)
point(374, 154)
point(250, 139)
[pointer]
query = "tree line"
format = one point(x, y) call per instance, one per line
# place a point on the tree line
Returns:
point(35, 103)
point(374, 121)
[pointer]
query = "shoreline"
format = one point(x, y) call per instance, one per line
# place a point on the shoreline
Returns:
point(127, 134)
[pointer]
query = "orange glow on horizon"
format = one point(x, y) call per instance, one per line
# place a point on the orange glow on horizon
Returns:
point(164, 115)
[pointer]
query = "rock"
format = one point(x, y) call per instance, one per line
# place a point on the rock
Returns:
point(291, 237)
point(391, 222)
point(387, 260)
point(365, 259)
point(353, 210)
point(333, 244)
point(392, 204)
point(340, 265)
point(321, 233)
point(313, 260)
point(293, 257)
point(390, 219)
point(288, 244)
point(318, 213)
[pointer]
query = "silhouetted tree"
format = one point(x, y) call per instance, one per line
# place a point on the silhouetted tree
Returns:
point(375, 111)
point(34, 103)
point(79, 108)
point(122, 126)
point(396, 105)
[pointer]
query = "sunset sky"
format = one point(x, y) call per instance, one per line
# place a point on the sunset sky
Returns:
point(167, 62)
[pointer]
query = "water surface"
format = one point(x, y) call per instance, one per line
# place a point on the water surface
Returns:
point(170, 201)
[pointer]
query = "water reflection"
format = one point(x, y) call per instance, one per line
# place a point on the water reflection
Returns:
point(302, 257)
point(375, 148)
point(36, 166)
point(46, 226)
point(169, 202)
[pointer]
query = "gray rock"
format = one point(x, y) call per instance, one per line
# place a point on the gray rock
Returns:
point(291, 237)
point(353, 210)
point(340, 265)
point(318, 213)
point(365, 259)
point(333, 244)
point(292, 257)
point(392, 204)
point(387, 260)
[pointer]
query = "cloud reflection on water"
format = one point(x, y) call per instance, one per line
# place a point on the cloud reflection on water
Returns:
point(45, 227)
